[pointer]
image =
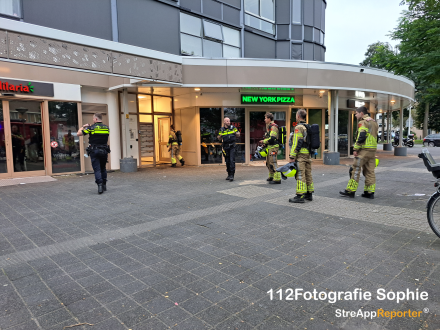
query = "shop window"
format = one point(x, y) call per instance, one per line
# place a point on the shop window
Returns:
point(10, 8)
point(296, 11)
point(144, 103)
point(3, 165)
point(237, 117)
point(207, 39)
point(145, 118)
point(258, 130)
point(211, 147)
point(163, 104)
point(63, 123)
point(308, 33)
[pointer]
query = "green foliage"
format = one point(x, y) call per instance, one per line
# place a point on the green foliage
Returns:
point(417, 56)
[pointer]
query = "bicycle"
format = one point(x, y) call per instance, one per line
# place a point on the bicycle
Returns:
point(433, 207)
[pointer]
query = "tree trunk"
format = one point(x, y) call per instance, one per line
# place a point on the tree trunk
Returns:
point(425, 121)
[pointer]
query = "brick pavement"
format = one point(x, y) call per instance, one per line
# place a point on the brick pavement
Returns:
point(185, 249)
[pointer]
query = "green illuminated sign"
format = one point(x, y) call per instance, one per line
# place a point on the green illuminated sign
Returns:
point(269, 89)
point(267, 99)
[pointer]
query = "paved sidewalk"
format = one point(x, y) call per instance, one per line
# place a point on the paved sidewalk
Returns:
point(183, 248)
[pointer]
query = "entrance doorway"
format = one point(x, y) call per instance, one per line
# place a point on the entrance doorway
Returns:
point(21, 139)
point(163, 131)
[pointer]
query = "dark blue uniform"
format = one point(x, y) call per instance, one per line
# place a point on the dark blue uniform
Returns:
point(228, 143)
point(99, 150)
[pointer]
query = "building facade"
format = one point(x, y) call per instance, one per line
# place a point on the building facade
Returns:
point(147, 64)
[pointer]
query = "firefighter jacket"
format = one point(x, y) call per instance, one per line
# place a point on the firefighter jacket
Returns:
point(299, 140)
point(271, 136)
point(98, 133)
point(366, 136)
point(228, 135)
point(172, 139)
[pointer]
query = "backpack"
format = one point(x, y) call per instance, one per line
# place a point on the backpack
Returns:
point(179, 137)
point(313, 137)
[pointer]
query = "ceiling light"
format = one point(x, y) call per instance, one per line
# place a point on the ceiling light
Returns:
point(393, 101)
point(322, 91)
point(197, 89)
point(141, 97)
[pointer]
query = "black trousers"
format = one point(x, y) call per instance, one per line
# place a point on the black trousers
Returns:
point(99, 160)
point(230, 159)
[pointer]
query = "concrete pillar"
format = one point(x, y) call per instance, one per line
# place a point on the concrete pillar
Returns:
point(400, 150)
point(336, 119)
point(128, 164)
point(330, 121)
point(382, 138)
point(113, 123)
point(332, 157)
point(388, 146)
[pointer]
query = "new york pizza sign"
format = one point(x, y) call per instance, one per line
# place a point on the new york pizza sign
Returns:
point(25, 87)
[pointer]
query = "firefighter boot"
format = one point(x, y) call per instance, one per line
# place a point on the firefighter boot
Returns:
point(276, 178)
point(309, 196)
point(100, 190)
point(298, 199)
point(367, 194)
point(104, 185)
point(173, 165)
point(182, 162)
point(347, 193)
point(269, 179)
point(231, 177)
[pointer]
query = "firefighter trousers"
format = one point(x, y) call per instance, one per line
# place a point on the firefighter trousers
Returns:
point(175, 154)
point(271, 164)
point(366, 162)
point(304, 180)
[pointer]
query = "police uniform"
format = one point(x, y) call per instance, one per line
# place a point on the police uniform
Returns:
point(98, 139)
point(175, 151)
point(300, 151)
point(271, 142)
point(366, 146)
point(228, 136)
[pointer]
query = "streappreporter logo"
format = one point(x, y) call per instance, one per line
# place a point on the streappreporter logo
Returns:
point(380, 313)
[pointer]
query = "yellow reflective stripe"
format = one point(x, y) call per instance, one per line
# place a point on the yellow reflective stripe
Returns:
point(301, 187)
point(364, 128)
point(352, 185)
point(294, 144)
point(304, 151)
point(273, 133)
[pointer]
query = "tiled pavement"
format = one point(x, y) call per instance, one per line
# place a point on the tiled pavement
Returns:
point(185, 249)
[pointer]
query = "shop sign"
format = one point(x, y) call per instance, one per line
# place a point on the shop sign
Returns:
point(23, 87)
point(267, 99)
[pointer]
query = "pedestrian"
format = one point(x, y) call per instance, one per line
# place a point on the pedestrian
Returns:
point(271, 143)
point(364, 152)
point(300, 153)
point(228, 134)
point(174, 145)
point(98, 149)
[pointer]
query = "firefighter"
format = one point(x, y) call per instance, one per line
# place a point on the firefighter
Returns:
point(364, 152)
point(271, 142)
point(98, 149)
point(174, 146)
point(300, 152)
point(228, 134)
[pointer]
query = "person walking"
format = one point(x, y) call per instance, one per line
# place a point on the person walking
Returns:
point(228, 134)
point(174, 146)
point(271, 142)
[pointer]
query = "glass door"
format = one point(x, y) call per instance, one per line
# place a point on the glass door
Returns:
point(164, 133)
point(4, 142)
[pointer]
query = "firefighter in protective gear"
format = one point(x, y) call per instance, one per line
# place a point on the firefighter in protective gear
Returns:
point(300, 152)
point(271, 142)
point(364, 152)
point(174, 146)
point(98, 149)
point(228, 134)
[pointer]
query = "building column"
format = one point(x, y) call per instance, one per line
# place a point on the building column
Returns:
point(113, 123)
point(382, 137)
point(128, 164)
point(331, 157)
point(336, 119)
point(388, 146)
point(400, 150)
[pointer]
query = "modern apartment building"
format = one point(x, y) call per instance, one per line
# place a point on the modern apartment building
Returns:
point(147, 64)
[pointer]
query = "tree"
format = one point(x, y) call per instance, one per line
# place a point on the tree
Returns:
point(417, 58)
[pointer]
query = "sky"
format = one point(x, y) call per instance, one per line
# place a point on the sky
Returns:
point(352, 25)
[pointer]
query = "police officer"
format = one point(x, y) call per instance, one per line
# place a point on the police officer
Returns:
point(300, 152)
point(271, 142)
point(228, 134)
point(174, 145)
point(98, 149)
point(364, 152)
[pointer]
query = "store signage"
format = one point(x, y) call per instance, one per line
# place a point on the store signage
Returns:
point(267, 99)
point(23, 87)
point(268, 89)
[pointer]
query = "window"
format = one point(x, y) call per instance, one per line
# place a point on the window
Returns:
point(213, 31)
point(321, 38)
point(211, 147)
point(207, 39)
point(296, 12)
point(10, 8)
point(237, 117)
point(296, 52)
point(260, 14)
